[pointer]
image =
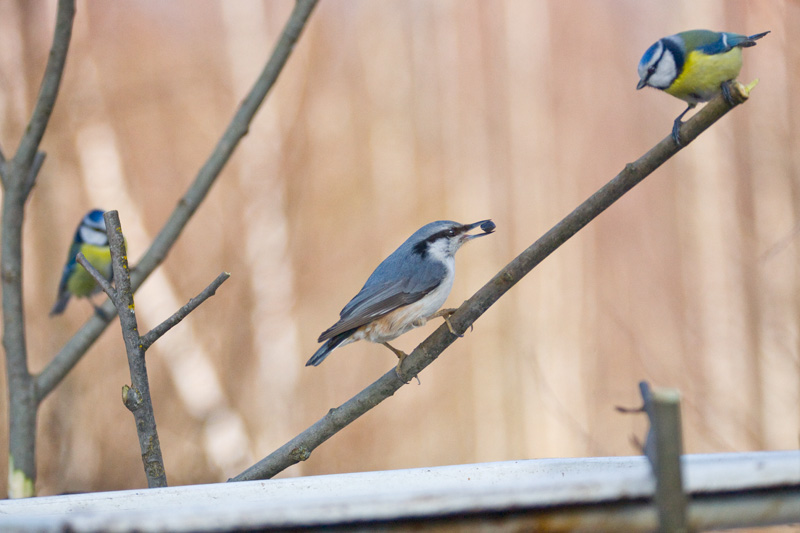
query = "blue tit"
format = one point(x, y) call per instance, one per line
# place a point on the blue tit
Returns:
point(91, 240)
point(405, 290)
point(694, 66)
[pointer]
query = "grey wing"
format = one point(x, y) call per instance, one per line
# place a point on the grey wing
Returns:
point(379, 298)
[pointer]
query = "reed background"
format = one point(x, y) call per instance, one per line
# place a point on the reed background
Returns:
point(390, 115)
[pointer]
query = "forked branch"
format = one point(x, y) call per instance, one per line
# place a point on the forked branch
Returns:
point(136, 397)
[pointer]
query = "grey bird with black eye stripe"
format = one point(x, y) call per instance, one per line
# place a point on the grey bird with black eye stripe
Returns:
point(406, 290)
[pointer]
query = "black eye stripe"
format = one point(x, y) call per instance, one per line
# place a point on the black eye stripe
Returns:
point(421, 247)
point(654, 65)
point(449, 233)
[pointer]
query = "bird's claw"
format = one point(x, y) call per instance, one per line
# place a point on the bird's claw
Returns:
point(401, 356)
point(399, 373)
point(676, 126)
point(446, 314)
point(726, 92)
point(676, 132)
point(450, 327)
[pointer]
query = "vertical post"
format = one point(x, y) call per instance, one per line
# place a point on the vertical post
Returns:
point(663, 448)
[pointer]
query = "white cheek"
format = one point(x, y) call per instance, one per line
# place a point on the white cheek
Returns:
point(665, 72)
point(93, 236)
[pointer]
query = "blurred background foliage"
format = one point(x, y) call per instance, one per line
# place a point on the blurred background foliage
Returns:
point(390, 115)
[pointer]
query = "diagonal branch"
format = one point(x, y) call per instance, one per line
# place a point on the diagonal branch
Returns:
point(33, 173)
point(301, 446)
point(50, 84)
point(154, 334)
point(74, 349)
point(237, 129)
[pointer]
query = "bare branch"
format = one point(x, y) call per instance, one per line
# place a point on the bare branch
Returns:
point(36, 165)
point(137, 396)
point(74, 349)
point(23, 398)
point(154, 334)
point(300, 447)
point(98, 277)
point(237, 129)
point(50, 83)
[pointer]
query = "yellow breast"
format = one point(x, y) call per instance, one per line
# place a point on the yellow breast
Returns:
point(81, 283)
point(703, 74)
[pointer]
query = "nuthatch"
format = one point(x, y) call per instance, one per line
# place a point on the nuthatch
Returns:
point(405, 291)
point(694, 66)
point(90, 239)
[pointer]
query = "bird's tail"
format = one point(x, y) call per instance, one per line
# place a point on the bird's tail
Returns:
point(60, 304)
point(330, 345)
point(751, 40)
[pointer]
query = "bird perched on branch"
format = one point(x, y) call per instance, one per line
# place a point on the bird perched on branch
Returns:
point(405, 291)
point(694, 66)
point(91, 240)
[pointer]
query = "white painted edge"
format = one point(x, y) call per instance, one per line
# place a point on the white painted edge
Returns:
point(396, 494)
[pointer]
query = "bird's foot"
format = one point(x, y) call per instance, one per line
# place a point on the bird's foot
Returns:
point(735, 93)
point(401, 376)
point(397, 369)
point(676, 132)
point(726, 92)
point(399, 353)
point(676, 126)
point(401, 356)
point(446, 314)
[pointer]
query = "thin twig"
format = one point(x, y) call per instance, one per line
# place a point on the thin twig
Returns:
point(33, 173)
point(98, 277)
point(77, 346)
point(154, 334)
point(137, 396)
point(50, 84)
point(301, 446)
point(237, 129)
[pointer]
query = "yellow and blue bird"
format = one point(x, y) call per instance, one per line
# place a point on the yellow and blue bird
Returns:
point(694, 66)
point(91, 240)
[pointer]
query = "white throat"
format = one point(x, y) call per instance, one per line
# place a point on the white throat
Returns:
point(443, 250)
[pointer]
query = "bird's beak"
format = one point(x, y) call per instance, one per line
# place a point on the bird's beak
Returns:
point(642, 84)
point(486, 225)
